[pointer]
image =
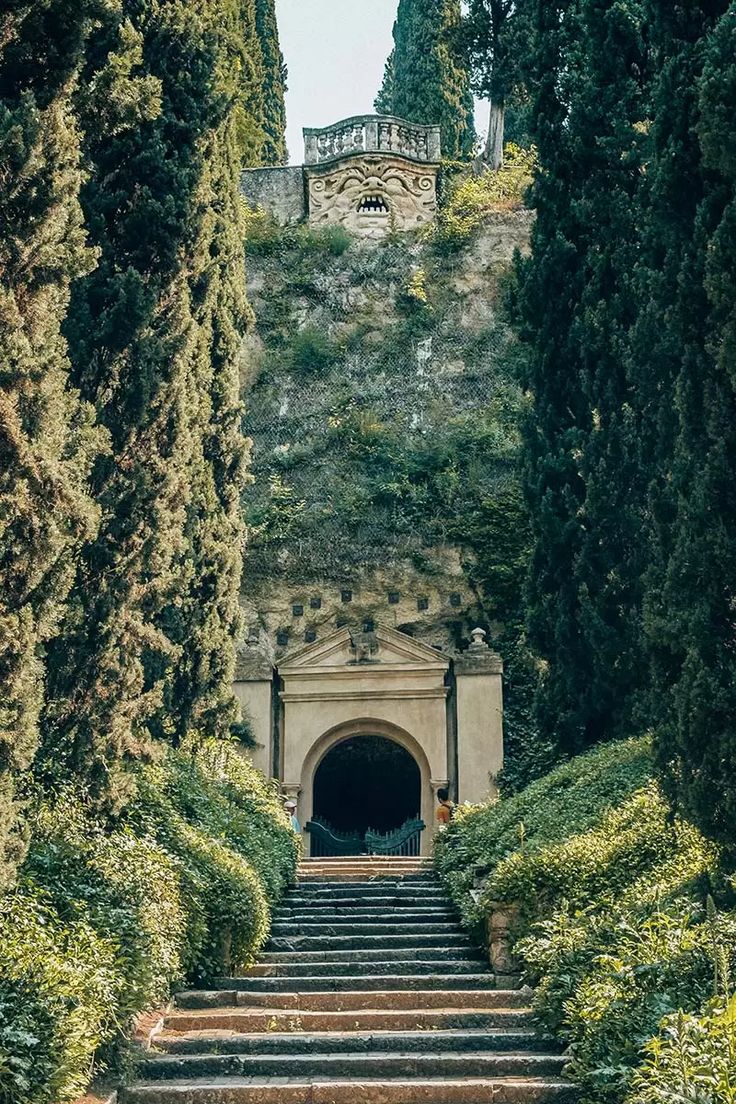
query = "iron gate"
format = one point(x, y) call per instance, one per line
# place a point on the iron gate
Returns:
point(327, 842)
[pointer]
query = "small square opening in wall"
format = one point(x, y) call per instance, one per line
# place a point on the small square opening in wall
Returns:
point(316, 603)
point(394, 598)
point(282, 639)
point(369, 626)
point(346, 596)
point(297, 610)
point(456, 600)
point(422, 604)
point(310, 636)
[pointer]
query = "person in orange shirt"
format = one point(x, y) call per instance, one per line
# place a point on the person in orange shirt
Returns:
point(445, 809)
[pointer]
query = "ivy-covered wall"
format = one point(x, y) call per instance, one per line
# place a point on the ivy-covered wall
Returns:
point(384, 410)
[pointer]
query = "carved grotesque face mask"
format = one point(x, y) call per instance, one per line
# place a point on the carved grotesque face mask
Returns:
point(370, 196)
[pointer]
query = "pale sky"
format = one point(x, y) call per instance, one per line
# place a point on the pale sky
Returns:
point(336, 51)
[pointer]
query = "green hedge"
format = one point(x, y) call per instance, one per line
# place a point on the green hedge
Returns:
point(107, 920)
point(571, 799)
point(617, 929)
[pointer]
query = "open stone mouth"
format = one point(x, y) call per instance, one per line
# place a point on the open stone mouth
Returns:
point(373, 205)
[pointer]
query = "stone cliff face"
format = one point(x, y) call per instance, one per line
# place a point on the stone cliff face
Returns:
point(381, 403)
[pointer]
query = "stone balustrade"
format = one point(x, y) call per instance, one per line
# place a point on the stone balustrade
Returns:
point(373, 134)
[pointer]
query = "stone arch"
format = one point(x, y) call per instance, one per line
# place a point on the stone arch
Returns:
point(367, 726)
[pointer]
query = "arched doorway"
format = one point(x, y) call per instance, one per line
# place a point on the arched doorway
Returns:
point(350, 730)
point(367, 782)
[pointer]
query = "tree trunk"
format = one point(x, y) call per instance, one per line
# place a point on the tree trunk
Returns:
point(494, 145)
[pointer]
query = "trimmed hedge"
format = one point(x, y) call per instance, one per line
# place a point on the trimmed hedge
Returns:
point(571, 799)
point(617, 926)
point(107, 921)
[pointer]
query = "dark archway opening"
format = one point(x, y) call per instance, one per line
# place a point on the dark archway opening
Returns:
point(367, 782)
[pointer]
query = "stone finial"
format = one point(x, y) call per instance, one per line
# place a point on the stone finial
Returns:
point(479, 658)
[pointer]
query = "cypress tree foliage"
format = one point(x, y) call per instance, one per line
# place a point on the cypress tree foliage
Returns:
point(429, 84)
point(584, 587)
point(206, 625)
point(143, 329)
point(274, 84)
point(46, 438)
point(384, 102)
point(689, 277)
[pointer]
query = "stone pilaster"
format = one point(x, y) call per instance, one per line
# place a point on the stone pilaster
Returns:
point(479, 678)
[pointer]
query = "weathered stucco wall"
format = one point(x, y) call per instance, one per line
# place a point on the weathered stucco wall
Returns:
point(281, 191)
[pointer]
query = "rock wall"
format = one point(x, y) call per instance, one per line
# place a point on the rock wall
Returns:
point(380, 400)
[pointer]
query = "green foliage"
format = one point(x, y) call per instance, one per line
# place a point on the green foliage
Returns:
point(105, 923)
point(425, 82)
point(615, 926)
point(694, 1058)
point(273, 86)
point(59, 984)
point(583, 482)
point(265, 237)
point(473, 198)
point(690, 220)
point(46, 439)
point(573, 798)
point(147, 648)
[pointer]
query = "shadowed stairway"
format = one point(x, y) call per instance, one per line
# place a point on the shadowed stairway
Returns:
point(369, 993)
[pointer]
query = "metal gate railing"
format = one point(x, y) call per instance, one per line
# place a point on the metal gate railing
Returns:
point(327, 842)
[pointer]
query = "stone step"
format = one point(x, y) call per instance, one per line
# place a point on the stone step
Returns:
point(226, 1021)
point(339, 914)
point(401, 967)
point(365, 864)
point(356, 880)
point(507, 1090)
point(354, 999)
point(365, 983)
point(358, 959)
point(368, 899)
point(381, 1064)
point(336, 1042)
point(328, 927)
point(367, 942)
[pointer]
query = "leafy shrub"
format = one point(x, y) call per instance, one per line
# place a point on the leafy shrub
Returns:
point(312, 352)
point(617, 929)
point(59, 988)
point(572, 798)
point(104, 879)
point(106, 922)
point(693, 1059)
point(630, 842)
point(609, 976)
point(265, 237)
point(473, 198)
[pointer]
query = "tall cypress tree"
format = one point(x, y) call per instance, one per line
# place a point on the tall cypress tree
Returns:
point(686, 341)
point(429, 84)
point(575, 308)
point(384, 101)
point(205, 625)
point(142, 329)
point(46, 440)
point(273, 84)
point(496, 38)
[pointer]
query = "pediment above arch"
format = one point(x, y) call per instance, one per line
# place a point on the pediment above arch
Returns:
point(346, 650)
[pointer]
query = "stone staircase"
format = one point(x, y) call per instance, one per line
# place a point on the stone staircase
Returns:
point(369, 993)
